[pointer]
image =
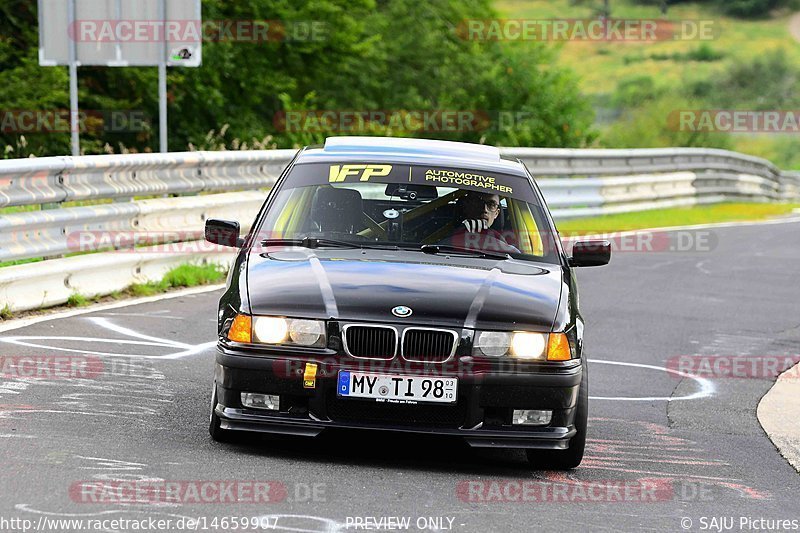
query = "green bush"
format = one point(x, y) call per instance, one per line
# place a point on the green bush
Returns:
point(736, 8)
point(77, 300)
point(750, 8)
point(193, 275)
point(704, 52)
point(652, 126)
point(635, 91)
point(768, 82)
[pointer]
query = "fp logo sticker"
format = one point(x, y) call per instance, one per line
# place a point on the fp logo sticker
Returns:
point(338, 173)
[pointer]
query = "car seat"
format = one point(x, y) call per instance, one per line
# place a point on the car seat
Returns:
point(335, 210)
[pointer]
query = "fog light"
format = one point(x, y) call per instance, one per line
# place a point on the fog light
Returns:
point(261, 401)
point(527, 417)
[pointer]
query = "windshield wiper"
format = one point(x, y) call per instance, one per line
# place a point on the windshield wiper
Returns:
point(314, 242)
point(444, 248)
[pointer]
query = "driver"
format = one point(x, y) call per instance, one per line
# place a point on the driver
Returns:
point(480, 210)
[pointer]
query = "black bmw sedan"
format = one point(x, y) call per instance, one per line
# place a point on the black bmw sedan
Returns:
point(405, 285)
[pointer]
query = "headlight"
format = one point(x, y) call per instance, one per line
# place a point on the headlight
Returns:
point(270, 330)
point(492, 343)
point(278, 330)
point(526, 345)
point(306, 332)
point(522, 345)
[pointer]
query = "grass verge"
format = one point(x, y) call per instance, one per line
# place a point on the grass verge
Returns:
point(181, 276)
point(679, 216)
point(20, 262)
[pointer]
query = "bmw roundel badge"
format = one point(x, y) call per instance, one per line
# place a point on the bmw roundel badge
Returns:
point(402, 311)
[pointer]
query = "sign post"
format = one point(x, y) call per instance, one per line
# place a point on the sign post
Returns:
point(162, 86)
point(119, 33)
point(74, 123)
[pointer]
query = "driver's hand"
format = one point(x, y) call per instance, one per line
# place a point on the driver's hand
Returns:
point(475, 225)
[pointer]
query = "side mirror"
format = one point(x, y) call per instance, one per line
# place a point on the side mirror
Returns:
point(590, 253)
point(223, 232)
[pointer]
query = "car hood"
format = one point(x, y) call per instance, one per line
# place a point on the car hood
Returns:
point(365, 285)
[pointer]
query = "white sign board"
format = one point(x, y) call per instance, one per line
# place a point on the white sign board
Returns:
point(121, 33)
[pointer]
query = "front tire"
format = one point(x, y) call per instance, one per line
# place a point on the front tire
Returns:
point(573, 455)
point(215, 424)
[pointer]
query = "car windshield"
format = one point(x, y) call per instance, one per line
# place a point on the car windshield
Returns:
point(409, 207)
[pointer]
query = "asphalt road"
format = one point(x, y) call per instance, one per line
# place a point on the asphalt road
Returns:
point(687, 454)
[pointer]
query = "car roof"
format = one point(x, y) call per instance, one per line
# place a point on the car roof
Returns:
point(412, 151)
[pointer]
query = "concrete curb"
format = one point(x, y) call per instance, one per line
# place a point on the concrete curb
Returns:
point(52, 282)
point(17, 323)
point(779, 414)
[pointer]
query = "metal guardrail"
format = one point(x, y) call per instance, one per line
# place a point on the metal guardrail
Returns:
point(575, 183)
point(55, 232)
point(67, 179)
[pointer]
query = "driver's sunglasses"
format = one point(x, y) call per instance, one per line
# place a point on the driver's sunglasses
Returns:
point(490, 205)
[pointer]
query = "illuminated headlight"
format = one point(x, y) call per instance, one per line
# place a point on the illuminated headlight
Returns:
point(290, 331)
point(519, 344)
point(526, 345)
point(270, 330)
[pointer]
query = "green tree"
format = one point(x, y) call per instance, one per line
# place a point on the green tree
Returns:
point(364, 55)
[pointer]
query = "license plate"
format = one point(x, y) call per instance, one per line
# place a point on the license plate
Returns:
point(397, 389)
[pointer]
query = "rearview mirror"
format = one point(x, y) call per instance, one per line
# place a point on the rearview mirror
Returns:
point(590, 253)
point(223, 232)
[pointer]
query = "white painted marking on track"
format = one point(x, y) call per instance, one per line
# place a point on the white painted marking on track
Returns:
point(700, 266)
point(104, 322)
point(147, 315)
point(191, 351)
point(707, 388)
point(18, 341)
point(146, 340)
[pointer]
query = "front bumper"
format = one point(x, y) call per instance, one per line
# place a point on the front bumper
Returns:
point(487, 395)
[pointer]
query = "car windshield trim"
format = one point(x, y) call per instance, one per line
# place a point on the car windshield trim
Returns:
point(314, 242)
point(447, 248)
